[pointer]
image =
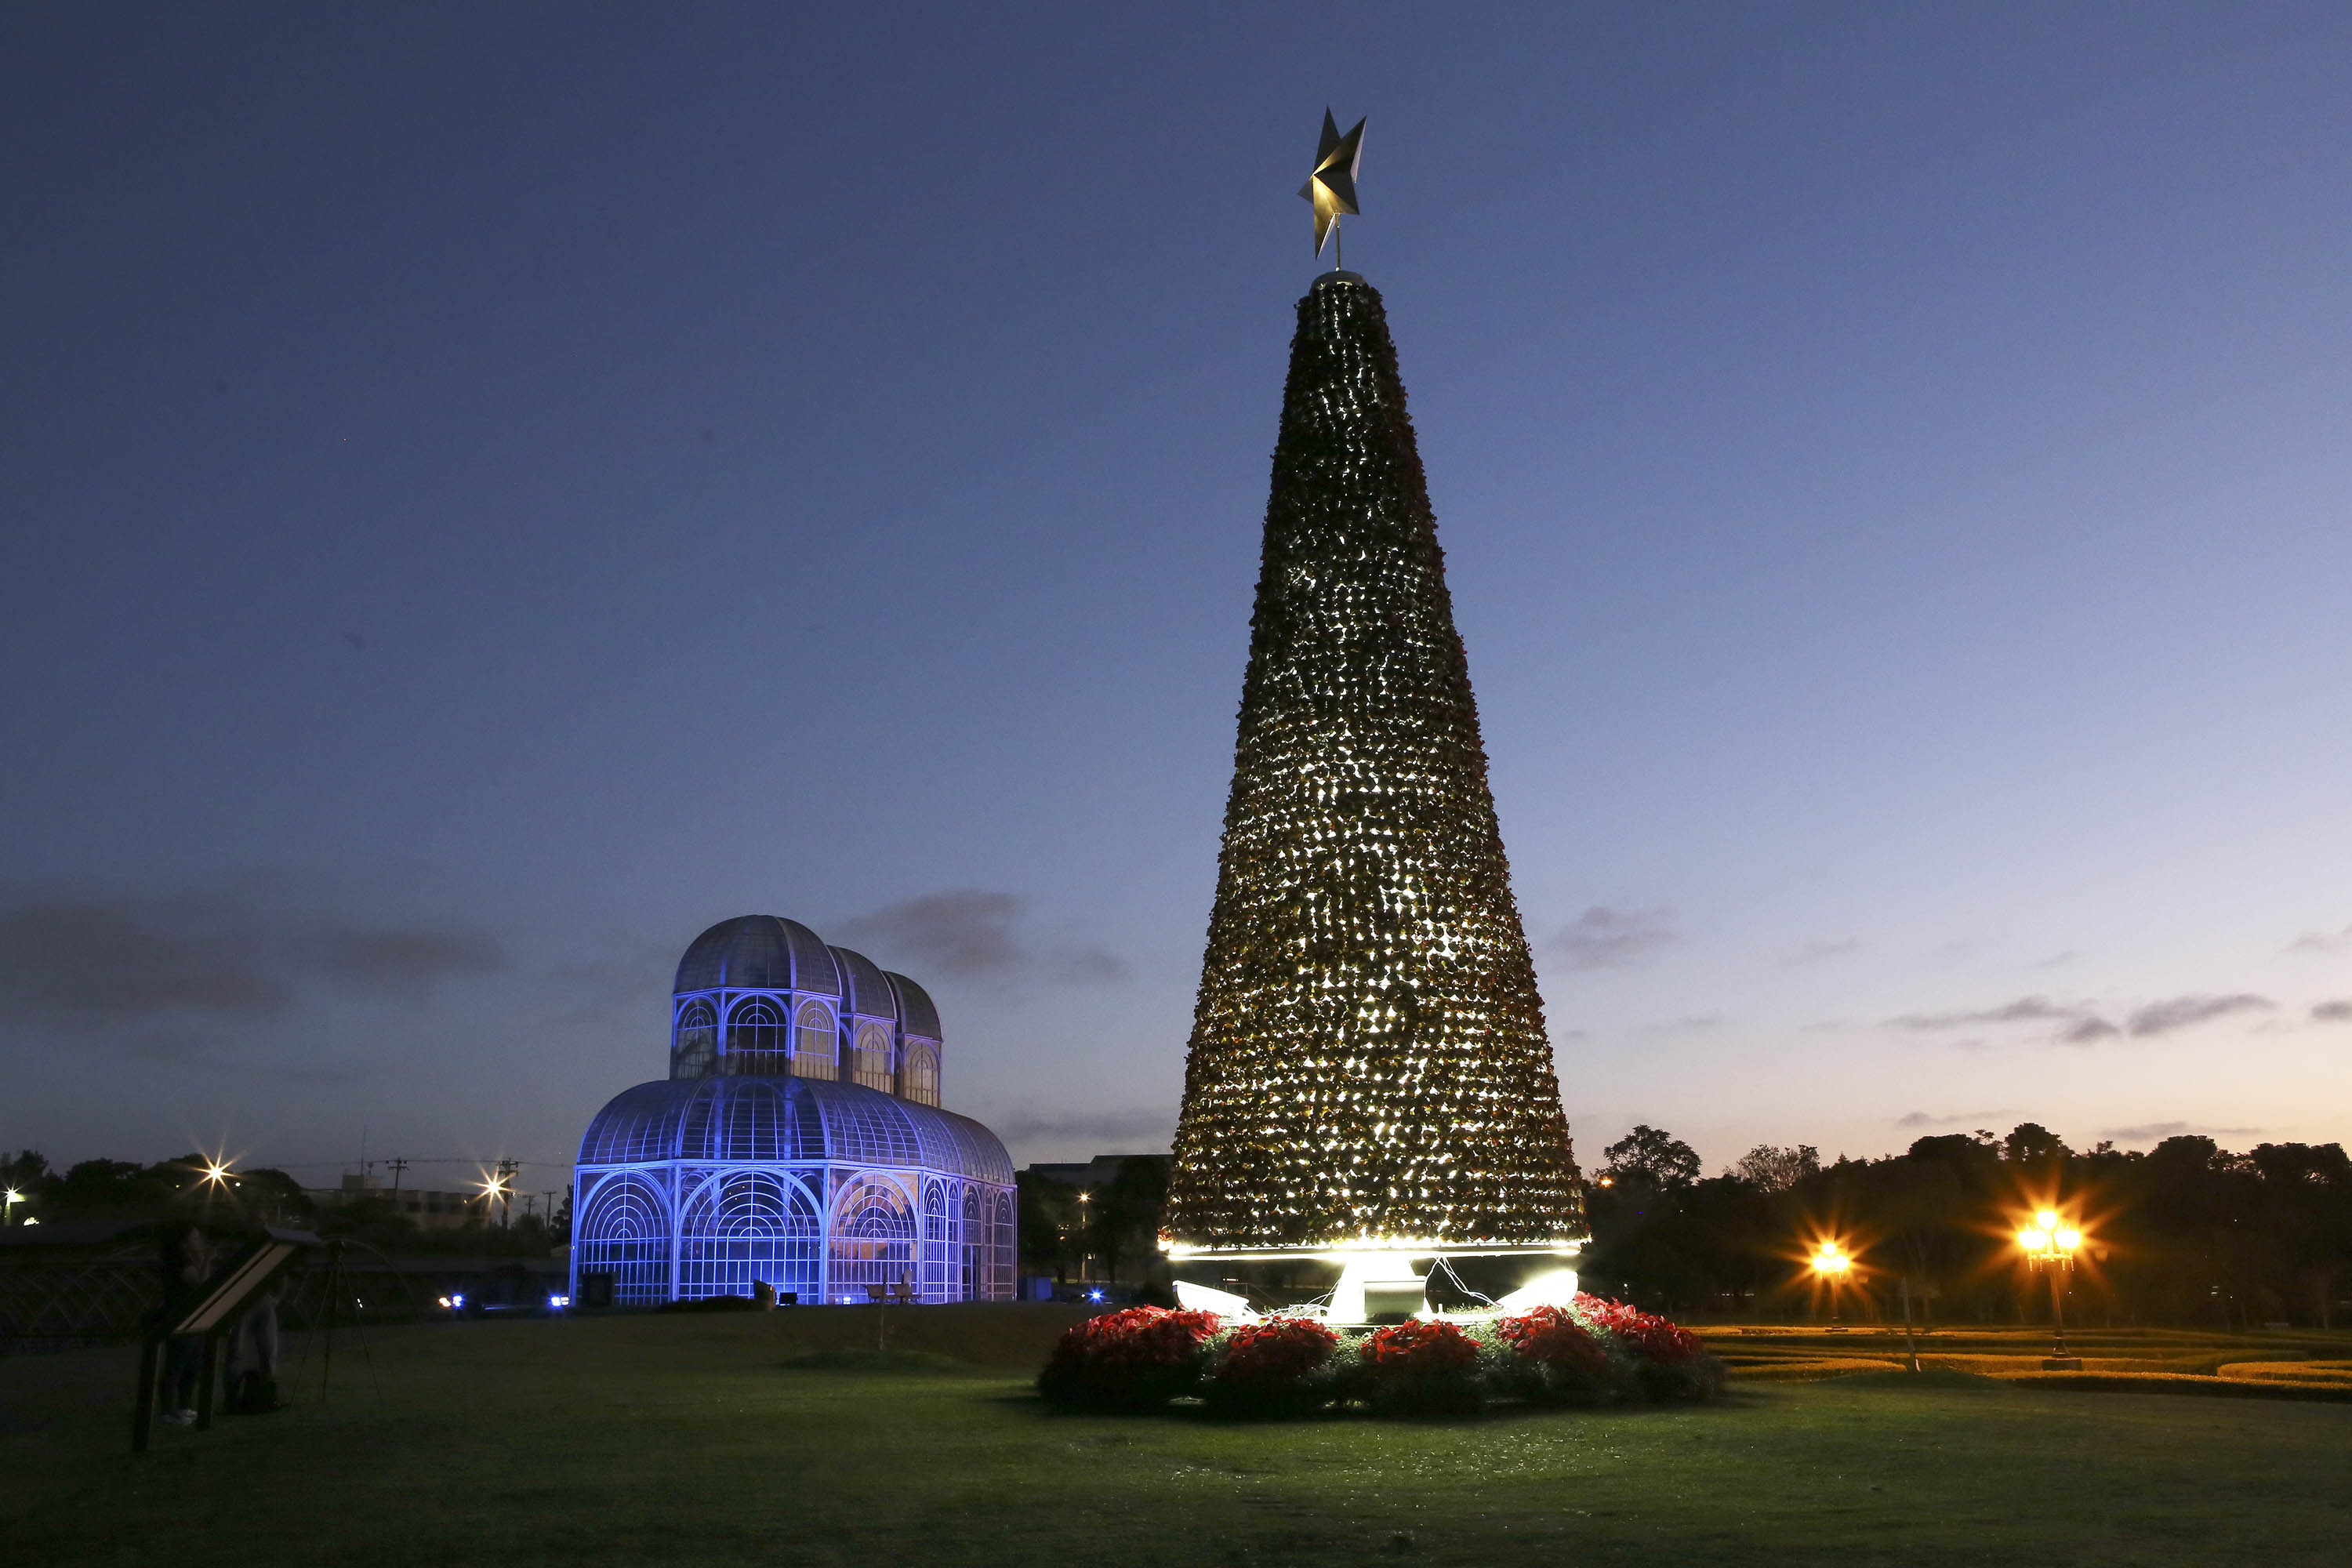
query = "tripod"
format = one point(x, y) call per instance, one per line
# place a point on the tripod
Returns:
point(339, 1285)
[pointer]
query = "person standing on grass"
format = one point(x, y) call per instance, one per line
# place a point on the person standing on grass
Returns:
point(253, 1354)
point(187, 1264)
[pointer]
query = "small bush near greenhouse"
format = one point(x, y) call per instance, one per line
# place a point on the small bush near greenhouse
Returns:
point(1131, 1359)
point(1552, 1358)
point(1282, 1366)
point(1421, 1367)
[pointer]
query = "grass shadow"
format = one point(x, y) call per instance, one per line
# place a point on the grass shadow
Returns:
point(1940, 1378)
point(929, 1362)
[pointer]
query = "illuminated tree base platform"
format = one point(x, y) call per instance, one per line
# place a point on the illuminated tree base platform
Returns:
point(1362, 1286)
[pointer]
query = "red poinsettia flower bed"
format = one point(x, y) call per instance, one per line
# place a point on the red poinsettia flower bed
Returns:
point(1275, 1367)
point(1650, 1337)
point(1551, 1337)
point(1593, 1352)
point(1419, 1348)
point(1141, 1356)
point(1420, 1368)
point(1275, 1352)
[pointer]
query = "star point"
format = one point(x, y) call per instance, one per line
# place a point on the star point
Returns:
point(1331, 188)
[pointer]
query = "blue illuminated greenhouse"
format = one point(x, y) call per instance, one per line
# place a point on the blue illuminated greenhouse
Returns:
point(797, 1142)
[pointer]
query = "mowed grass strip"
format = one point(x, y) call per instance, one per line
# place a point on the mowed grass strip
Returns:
point(1782, 1353)
point(689, 1440)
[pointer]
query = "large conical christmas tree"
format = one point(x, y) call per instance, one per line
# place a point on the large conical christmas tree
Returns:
point(1368, 1059)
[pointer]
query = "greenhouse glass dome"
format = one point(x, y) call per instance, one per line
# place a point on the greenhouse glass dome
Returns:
point(798, 1142)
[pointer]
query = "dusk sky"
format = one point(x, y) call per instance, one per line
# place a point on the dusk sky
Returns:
point(488, 491)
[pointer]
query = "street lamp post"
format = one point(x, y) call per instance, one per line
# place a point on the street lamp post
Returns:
point(2049, 1246)
point(1831, 1265)
point(8, 1208)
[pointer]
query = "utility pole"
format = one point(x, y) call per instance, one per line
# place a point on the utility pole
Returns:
point(507, 1169)
point(397, 1166)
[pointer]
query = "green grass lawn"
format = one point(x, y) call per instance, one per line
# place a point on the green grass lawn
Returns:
point(698, 1440)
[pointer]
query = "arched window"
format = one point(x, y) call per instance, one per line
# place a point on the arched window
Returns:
point(918, 1075)
point(816, 1050)
point(873, 1240)
point(1000, 1252)
point(936, 1247)
point(755, 1038)
point(869, 1058)
point(974, 1257)
point(624, 1231)
point(747, 1226)
point(696, 1051)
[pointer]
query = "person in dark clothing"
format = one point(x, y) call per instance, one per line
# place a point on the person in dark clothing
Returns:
point(187, 1264)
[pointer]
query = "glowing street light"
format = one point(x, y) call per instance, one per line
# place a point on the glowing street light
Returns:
point(2049, 1244)
point(213, 1179)
point(8, 1206)
point(495, 1191)
point(1831, 1265)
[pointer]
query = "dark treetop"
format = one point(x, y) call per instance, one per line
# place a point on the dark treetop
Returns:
point(1368, 1055)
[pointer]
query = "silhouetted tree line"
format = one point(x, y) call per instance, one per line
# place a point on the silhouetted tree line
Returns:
point(1116, 1225)
point(2185, 1233)
point(111, 1190)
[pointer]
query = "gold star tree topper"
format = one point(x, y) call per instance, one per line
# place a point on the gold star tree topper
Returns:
point(1332, 186)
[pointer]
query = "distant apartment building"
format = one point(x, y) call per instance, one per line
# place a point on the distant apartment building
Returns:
point(429, 1209)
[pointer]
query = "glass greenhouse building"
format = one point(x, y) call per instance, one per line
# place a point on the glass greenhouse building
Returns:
point(798, 1140)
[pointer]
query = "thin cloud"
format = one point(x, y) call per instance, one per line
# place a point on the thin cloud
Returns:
point(2322, 941)
point(2332, 1013)
point(1112, 1127)
point(1917, 1119)
point(2157, 1131)
point(212, 1054)
point(1821, 953)
point(2082, 1026)
point(975, 933)
point(399, 960)
point(2056, 961)
point(2024, 1010)
point(233, 957)
point(1603, 938)
point(2182, 1012)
